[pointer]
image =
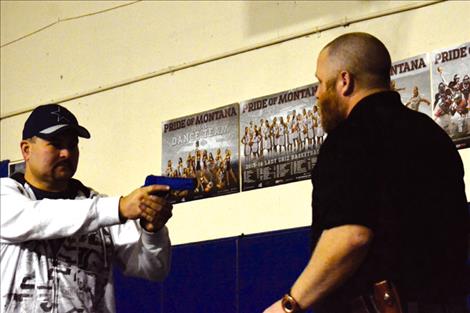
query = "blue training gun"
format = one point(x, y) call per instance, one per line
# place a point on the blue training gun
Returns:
point(180, 188)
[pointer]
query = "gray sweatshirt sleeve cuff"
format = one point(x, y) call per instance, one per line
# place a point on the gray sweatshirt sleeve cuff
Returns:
point(158, 239)
point(108, 210)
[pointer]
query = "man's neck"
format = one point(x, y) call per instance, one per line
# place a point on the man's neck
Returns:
point(44, 185)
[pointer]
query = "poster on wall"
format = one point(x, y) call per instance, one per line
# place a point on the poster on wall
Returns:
point(203, 146)
point(411, 78)
point(280, 137)
point(451, 87)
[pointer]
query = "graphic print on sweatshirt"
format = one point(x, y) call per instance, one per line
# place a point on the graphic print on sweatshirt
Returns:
point(72, 280)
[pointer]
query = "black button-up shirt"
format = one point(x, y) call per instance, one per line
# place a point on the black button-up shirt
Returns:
point(396, 172)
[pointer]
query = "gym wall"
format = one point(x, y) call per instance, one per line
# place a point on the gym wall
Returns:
point(132, 65)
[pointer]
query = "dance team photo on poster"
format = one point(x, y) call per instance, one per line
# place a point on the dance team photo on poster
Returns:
point(280, 136)
point(203, 146)
point(451, 88)
point(410, 78)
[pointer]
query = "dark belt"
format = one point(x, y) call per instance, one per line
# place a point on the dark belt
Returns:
point(368, 304)
point(384, 298)
point(454, 306)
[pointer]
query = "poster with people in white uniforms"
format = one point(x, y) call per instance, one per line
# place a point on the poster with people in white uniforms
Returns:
point(203, 146)
point(411, 78)
point(280, 136)
point(451, 88)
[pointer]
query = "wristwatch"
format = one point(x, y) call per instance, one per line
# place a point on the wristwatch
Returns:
point(290, 305)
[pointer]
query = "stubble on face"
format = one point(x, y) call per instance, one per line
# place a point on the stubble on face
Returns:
point(64, 170)
point(332, 111)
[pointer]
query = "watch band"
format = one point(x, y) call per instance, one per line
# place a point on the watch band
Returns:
point(290, 305)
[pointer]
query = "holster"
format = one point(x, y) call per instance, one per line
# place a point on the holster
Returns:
point(383, 298)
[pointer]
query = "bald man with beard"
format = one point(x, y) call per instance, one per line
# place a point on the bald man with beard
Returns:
point(380, 212)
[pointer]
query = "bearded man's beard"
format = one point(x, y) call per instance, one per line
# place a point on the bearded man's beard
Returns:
point(331, 111)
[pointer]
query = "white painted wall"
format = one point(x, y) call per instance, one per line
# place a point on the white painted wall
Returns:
point(80, 55)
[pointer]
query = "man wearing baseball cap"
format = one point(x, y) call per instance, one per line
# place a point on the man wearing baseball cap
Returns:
point(59, 239)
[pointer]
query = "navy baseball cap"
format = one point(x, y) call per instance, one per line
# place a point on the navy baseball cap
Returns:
point(49, 120)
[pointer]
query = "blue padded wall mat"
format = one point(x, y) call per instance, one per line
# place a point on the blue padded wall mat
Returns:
point(136, 294)
point(233, 275)
point(202, 279)
point(269, 264)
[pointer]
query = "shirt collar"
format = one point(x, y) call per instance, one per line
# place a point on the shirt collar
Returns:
point(382, 97)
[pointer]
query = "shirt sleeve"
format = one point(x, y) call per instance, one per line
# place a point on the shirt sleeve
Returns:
point(140, 253)
point(23, 219)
